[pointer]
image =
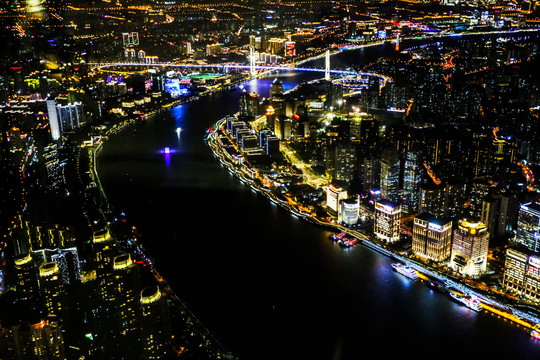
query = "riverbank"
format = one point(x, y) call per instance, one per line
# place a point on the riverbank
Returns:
point(490, 302)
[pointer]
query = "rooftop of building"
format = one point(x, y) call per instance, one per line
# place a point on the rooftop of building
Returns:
point(438, 220)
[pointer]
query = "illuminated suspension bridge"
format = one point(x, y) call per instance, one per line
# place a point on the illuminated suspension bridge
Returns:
point(361, 76)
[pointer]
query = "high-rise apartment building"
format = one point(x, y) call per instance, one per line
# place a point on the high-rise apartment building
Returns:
point(52, 288)
point(155, 323)
point(27, 282)
point(104, 252)
point(127, 287)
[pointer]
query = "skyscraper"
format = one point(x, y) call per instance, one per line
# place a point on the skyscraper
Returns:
point(432, 199)
point(528, 226)
point(276, 88)
point(387, 221)
point(104, 252)
point(27, 284)
point(390, 169)
point(470, 248)
point(432, 237)
point(155, 323)
point(411, 181)
point(127, 286)
point(52, 288)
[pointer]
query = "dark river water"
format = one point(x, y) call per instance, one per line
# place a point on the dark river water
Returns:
point(266, 284)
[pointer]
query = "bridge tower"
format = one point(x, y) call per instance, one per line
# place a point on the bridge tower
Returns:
point(327, 65)
point(252, 71)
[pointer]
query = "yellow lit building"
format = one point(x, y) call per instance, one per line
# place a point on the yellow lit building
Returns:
point(470, 248)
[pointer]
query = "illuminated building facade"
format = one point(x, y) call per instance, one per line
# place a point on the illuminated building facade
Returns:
point(390, 170)
point(290, 49)
point(104, 252)
point(333, 197)
point(41, 340)
point(528, 226)
point(387, 220)
point(470, 248)
point(349, 211)
point(432, 199)
point(411, 181)
point(27, 282)
point(522, 272)
point(52, 288)
point(432, 237)
point(64, 117)
point(127, 286)
point(130, 39)
point(155, 323)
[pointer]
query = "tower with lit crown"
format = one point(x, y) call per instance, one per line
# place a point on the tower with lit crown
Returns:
point(104, 252)
point(127, 287)
point(52, 288)
point(27, 283)
point(155, 323)
point(470, 248)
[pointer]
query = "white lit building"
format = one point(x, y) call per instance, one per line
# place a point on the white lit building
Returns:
point(522, 273)
point(333, 196)
point(387, 220)
point(349, 211)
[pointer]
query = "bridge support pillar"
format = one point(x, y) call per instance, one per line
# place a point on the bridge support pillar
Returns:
point(327, 65)
point(252, 62)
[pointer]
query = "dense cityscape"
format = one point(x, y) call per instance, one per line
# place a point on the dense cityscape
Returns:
point(412, 131)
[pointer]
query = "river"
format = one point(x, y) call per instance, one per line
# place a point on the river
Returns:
point(267, 284)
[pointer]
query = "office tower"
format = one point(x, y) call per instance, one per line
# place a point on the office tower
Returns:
point(431, 199)
point(470, 248)
point(528, 226)
point(104, 252)
point(52, 289)
point(64, 117)
point(54, 122)
point(387, 220)
point(490, 212)
point(371, 168)
point(249, 104)
point(334, 195)
point(350, 211)
point(432, 237)
point(455, 198)
point(390, 170)
point(127, 287)
point(411, 181)
point(276, 88)
point(341, 161)
point(522, 272)
point(154, 323)
point(480, 189)
point(27, 282)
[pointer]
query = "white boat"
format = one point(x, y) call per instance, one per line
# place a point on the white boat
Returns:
point(469, 301)
point(405, 270)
